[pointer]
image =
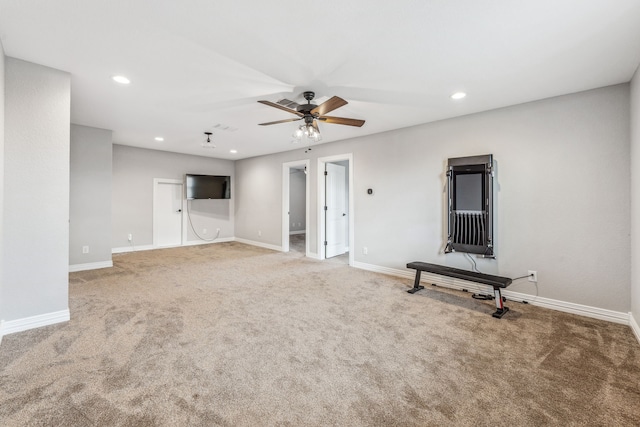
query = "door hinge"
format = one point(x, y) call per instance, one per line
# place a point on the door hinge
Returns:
point(325, 173)
point(325, 208)
point(325, 243)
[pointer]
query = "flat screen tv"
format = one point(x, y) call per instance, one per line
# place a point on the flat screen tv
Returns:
point(208, 187)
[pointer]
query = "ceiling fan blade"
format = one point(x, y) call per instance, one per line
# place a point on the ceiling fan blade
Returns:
point(280, 107)
point(280, 121)
point(329, 105)
point(341, 121)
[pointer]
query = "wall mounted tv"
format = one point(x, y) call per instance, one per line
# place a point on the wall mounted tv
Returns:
point(208, 187)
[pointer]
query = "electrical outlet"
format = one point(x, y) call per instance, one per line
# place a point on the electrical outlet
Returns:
point(365, 250)
point(259, 233)
point(130, 237)
point(533, 276)
point(85, 249)
point(204, 231)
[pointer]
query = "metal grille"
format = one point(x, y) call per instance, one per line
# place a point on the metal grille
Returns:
point(469, 228)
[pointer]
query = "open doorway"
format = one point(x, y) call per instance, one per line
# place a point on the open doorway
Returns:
point(335, 201)
point(295, 207)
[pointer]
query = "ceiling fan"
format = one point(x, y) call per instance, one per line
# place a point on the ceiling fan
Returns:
point(310, 113)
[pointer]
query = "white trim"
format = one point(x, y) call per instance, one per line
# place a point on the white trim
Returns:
point(448, 282)
point(297, 232)
point(634, 326)
point(156, 182)
point(126, 249)
point(204, 242)
point(1, 330)
point(134, 248)
point(26, 323)
point(286, 170)
point(260, 244)
point(90, 266)
point(321, 202)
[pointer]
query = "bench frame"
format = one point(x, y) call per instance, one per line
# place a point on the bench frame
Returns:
point(497, 282)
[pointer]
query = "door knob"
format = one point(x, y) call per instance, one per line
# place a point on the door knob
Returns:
point(179, 210)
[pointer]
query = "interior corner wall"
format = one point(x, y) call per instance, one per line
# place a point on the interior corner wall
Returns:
point(635, 196)
point(2, 60)
point(36, 191)
point(90, 196)
point(562, 194)
point(134, 170)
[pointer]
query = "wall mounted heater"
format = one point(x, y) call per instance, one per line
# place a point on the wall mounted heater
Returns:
point(470, 195)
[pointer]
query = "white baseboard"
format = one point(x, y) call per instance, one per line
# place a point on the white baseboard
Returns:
point(298, 232)
point(634, 326)
point(260, 244)
point(206, 242)
point(90, 266)
point(448, 282)
point(134, 248)
point(125, 249)
point(313, 256)
point(26, 323)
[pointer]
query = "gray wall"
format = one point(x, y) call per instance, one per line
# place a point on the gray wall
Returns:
point(90, 195)
point(635, 196)
point(562, 196)
point(134, 170)
point(2, 59)
point(297, 200)
point(36, 187)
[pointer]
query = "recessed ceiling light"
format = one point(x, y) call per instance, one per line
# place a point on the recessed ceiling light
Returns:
point(458, 95)
point(233, 151)
point(121, 79)
point(159, 138)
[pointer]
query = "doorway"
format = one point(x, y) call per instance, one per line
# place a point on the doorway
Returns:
point(335, 202)
point(167, 212)
point(295, 206)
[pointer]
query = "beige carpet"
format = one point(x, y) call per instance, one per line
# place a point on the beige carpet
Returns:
point(233, 335)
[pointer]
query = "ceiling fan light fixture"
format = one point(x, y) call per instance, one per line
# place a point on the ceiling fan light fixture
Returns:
point(307, 131)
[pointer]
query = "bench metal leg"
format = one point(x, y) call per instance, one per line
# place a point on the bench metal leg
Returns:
point(416, 283)
point(500, 308)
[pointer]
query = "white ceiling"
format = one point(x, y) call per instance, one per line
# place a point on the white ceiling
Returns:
point(196, 64)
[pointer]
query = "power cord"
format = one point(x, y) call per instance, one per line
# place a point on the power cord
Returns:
point(534, 283)
point(193, 228)
point(473, 261)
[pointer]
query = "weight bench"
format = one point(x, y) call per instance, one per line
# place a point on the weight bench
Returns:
point(497, 282)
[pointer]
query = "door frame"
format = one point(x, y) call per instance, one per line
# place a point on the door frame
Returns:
point(183, 224)
point(322, 200)
point(286, 170)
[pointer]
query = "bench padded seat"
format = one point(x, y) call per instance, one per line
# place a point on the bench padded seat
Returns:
point(472, 276)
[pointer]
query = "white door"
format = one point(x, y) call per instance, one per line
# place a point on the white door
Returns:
point(167, 214)
point(335, 210)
